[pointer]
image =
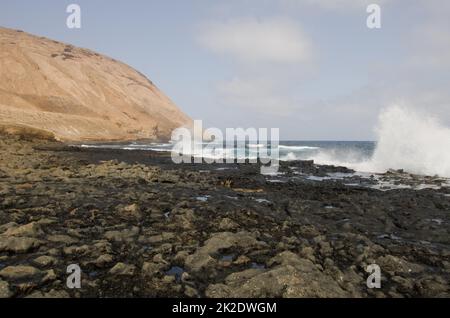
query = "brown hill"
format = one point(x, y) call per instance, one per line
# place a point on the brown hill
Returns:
point(78, 94)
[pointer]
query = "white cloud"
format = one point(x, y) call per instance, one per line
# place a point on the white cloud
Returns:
point(431, 45)
point(255, 94)
point(335, 5)
point(252, 40)
point(413, 71)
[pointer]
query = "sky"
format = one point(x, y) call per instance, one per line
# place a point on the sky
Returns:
point(311, 68)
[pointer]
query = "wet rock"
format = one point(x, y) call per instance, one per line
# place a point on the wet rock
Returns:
point(61, 238)
point(202, 258)
point(309, 231)
point(7, 226)
point(32, 229)
point(308, 253)
point(350, 280)
point(242, 260)
point(169, 279)
point(45, 261)
point(333, 231)
point(185, 220)
point(396, 265)
point(150, 269)
point(404, 286)
point(180, 257)
point(164, 248)
point(227, 224)
point(292, 277)
point(49, 276)
point(244, 275)
point(122, 269)
point(325, 249)
point(51, 294)
point(127, 235)
point(102, 247)
point(191, 292)
point(158, 258)
point(5, 292)
point(46, 221)
point(433, 286)
point(54, 252)
point(76, 250)
point(163, 237)
point(132, 211)
point(103, 260)
point(20, 273)
point(18, 244)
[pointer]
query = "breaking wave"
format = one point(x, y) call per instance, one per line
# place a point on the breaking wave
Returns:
point(410, 140)
point(407, 139)
point(283, 147)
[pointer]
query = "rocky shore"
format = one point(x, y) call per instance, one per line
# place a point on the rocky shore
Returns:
point(140, 226)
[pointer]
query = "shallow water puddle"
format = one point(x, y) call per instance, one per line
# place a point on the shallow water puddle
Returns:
point(226, 168)
point(93, 274)
point(261, 200)
point(380, 182)
point(389, 236)
point(438, 221)
point(203, 198)
point(276, 181)
point(352, 184)
point(316, 178)
point(257, 265)
point(175, 271)
point(228, 258)
point(147, 248)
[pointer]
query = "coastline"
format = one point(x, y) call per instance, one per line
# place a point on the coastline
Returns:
point(140, 226)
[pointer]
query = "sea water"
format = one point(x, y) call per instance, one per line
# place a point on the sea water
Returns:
point(409, 140)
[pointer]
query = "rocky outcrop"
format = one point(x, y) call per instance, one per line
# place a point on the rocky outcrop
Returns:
point(52, 88)
point(138, 229)
point(292, 277)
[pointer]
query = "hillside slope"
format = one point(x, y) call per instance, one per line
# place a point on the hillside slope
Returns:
point(78, 94)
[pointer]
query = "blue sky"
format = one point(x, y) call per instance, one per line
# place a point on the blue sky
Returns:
point(310, 67)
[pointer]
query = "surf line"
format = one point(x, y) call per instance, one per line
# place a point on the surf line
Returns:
point(192, 145)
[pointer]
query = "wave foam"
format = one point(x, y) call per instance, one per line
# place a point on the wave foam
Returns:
point(413, 141)
point(299, 148)
point(410, 140)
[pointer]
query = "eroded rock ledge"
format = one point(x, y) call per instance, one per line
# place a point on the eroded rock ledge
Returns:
point(140, 226)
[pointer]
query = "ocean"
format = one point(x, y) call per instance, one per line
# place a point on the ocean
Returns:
point(338, 153)
point(364, 157)
point(406, 140)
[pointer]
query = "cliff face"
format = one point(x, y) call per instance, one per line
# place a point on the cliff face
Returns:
point(78, 94)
